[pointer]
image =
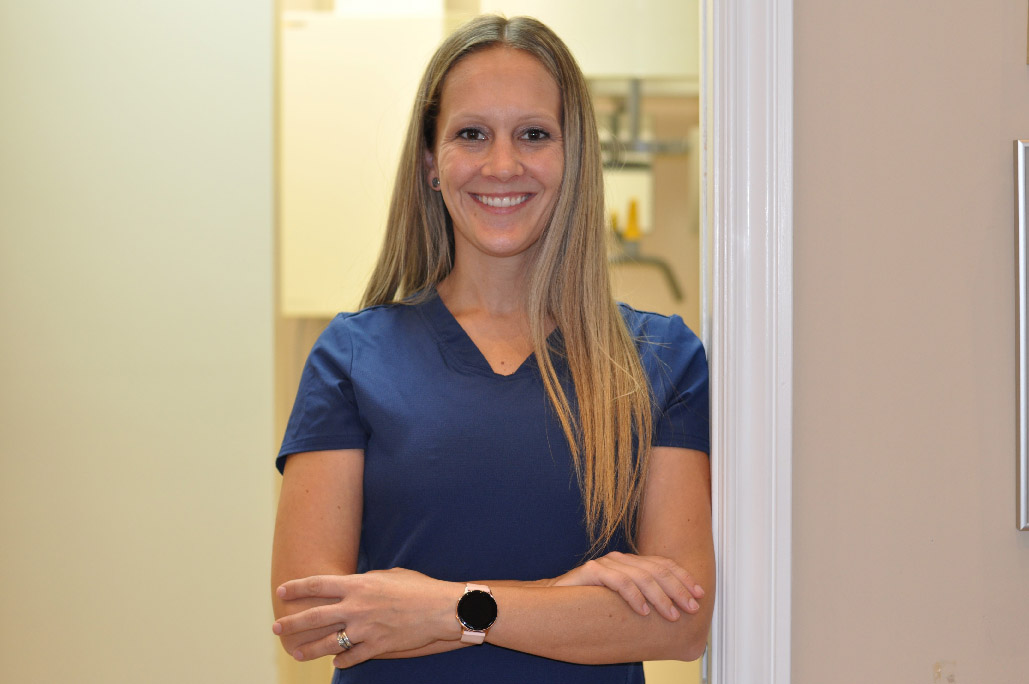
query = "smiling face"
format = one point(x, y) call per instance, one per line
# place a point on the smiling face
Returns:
point(498, 154)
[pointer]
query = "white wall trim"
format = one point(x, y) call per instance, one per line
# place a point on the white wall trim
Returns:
point(747, 82)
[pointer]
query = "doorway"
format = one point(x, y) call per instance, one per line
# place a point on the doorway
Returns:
point(745, 166)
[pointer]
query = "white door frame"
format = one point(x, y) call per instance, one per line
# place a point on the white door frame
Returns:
point(747, 84)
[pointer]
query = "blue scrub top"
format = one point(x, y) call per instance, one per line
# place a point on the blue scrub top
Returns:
point(468, 475)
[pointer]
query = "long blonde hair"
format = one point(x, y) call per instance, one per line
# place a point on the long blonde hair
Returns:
point(610, 434)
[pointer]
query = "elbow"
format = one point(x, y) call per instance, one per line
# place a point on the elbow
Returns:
point(685, 647)
point(693, 649)
point(694, 632)
point(689, 642)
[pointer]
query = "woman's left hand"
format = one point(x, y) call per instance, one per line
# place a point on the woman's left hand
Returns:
point(640, 581)
point(384, 611)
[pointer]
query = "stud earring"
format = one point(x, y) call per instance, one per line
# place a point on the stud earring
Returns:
point(435, 182)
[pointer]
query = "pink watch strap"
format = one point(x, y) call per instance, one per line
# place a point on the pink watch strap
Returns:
point(469, 636)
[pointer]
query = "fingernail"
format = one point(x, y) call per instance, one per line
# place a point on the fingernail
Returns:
point(698, 591)
point(298, 655)
point(276, 628)
point(674, 613)
point(646, 609)
point(694, 605)
point(281, 592)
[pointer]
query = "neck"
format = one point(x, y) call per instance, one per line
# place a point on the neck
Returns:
point(497, 289)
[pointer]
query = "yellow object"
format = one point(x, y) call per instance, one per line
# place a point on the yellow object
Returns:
point(632, 226)
point(672, 672)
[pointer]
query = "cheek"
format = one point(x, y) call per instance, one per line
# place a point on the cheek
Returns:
point(559, 173)
point(552, 167)
point(553, 163)
point(453, 163)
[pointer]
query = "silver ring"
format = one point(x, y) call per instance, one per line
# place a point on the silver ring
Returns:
point(343, 640)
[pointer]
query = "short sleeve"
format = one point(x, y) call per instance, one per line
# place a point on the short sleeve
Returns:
point(325, 413)
point(674, 360)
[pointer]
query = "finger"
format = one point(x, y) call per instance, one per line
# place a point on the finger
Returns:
point(317, 586)
point(674, 588)
point(293, 642)
point(642, 576)
point(312, 618)
point(290, 644)
point(676, 582)
point(613, 576)
point(327, 645)
point(356, 655)
point(666, 585)
point(682, 573)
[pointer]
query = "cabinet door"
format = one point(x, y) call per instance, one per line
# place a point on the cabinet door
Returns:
point(346, 90)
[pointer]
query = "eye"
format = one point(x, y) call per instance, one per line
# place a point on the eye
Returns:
point(536, 134)
point(471, 134)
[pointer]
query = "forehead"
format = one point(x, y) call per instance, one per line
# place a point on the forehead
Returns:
point(498, 75)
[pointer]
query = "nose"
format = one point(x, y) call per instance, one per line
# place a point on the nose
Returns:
point(503, 161)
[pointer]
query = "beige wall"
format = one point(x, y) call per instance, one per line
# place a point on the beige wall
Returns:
point(906, 554)
point(136, 355)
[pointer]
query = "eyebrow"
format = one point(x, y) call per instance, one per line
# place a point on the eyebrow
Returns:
point(473, 114)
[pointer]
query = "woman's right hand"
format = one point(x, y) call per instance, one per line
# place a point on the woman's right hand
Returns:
point(642, 581)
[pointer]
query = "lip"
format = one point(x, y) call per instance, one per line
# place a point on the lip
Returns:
point(505, 201)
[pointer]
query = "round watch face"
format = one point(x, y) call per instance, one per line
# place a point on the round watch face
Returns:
point(477, 610)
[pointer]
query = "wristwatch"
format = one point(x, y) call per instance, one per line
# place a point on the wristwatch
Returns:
point(476, 611)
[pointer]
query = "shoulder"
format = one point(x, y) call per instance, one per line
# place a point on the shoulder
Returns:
point(383, 318)
point(351, 332)
point(671, 354)
point(654, 332)
point(674, 362)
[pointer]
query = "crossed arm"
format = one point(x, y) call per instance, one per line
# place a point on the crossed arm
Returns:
point(658, 603)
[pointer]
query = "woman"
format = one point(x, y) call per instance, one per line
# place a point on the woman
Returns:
point(492, 420)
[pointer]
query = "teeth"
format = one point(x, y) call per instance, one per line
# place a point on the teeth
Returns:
point(501, 202)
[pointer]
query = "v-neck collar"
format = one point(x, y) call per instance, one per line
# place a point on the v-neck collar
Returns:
point(458, 347)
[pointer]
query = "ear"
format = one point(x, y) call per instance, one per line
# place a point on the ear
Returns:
point(430, 168)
